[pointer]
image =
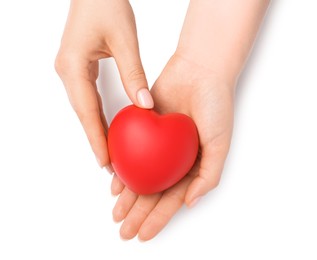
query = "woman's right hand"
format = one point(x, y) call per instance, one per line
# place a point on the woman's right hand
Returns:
point(95, 30)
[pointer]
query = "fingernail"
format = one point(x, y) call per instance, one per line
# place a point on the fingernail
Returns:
point(141, 240)
point(109, 169)
point(194, 202)
point(144, 98)
point(124, 239)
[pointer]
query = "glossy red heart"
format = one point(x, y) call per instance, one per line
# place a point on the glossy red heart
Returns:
point(151, 152)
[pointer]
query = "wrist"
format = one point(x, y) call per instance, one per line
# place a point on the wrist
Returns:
point(197, 74)
point(207, 66)
point(219, 34)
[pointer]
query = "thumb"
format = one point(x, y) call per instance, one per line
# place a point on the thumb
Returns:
point(209, 173)
point(134, 79)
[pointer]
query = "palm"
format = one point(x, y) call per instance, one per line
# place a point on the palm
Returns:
point(185, 88)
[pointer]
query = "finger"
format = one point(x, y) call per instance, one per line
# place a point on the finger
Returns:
point(102, 115)
point(171, 201)
point(132, 73)
point(85, 104)
point(117, 185)
point(123, 205)
point(138, 213)
point(83, 97)
point(209, 173)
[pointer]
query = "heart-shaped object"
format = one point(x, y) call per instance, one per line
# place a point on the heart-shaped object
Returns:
point(151, 152)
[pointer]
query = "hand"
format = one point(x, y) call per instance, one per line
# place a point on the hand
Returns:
point(199, 81)
point(191, 89)
point(95, 30)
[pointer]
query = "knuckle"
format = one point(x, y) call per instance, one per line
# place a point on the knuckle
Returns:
point(64, 63)
point(176, 197)
point(83, 115)
point(161, 215)
point(209, 181)
point(214, 182)
point(136, 73)
point(59, 63)
point(142, 211)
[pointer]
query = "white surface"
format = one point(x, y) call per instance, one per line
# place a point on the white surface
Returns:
point(55, 203)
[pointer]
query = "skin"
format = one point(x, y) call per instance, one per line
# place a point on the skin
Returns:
point(199, 80)
point(210, 104)
point(94, 30)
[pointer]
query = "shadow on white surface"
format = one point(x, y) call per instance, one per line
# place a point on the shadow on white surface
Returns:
point(111, 89)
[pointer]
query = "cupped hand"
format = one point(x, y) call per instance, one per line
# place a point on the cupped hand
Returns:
point(189, 88)
point(95, 30)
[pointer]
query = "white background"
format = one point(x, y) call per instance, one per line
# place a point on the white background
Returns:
point(55, 202)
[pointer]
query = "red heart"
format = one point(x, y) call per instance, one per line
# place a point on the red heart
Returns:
point(151, 152)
